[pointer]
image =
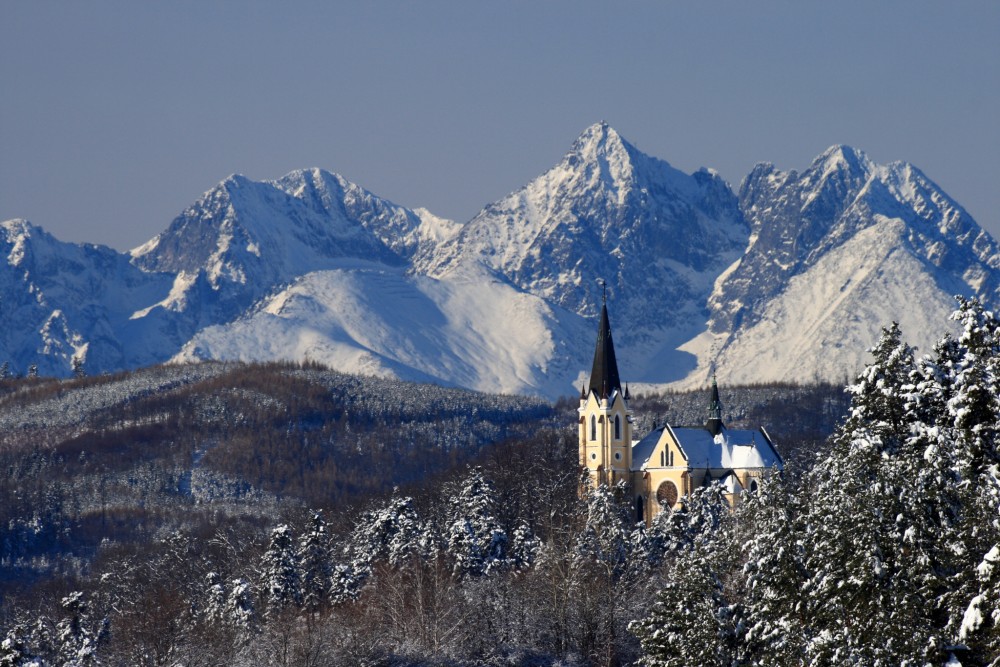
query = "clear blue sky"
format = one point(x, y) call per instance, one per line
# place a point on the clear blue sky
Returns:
point(114, 116)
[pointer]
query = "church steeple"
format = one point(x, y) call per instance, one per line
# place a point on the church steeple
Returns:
point(604, 380)
point(605, 421)
point(714, 423)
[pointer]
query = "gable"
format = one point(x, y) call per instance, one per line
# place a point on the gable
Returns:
point(660, 441)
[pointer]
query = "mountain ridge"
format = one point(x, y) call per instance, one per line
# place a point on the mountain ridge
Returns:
point(783, 276)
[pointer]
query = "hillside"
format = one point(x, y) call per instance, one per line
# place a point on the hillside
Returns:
point(123, 459)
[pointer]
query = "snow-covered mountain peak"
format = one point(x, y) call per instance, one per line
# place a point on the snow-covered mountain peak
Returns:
point(600, 140)
point(16, 233)
point(841, 157)
point(16, 227)
point(835, 249)
point(606, 211)
point(791, 277)
point(601, 159)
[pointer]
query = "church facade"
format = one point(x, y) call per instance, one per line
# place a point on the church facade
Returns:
point(664, 466)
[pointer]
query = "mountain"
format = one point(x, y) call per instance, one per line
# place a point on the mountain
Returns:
point(242, 238)
point(835, 253)
point(63, 301)
point(790, 278)
point(607, 211)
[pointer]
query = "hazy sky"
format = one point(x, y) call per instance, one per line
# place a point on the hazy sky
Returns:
point(114, 116)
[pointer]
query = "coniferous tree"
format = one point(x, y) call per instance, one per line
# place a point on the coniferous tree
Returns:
point(974, 413)
point(774, 572)
point(241, 613)
point(476, 540)
point(314, 562)
point(694, 620)
point(860, 604)
point(391, 533)
point(280, 570)
point(16, 650)
point(77, 638)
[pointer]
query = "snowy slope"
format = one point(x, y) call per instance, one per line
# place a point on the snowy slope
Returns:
point(471, 330)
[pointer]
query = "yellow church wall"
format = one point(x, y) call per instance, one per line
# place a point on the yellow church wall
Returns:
point(607, 458)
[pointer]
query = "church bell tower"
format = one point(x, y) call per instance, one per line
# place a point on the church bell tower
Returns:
point(605, 418)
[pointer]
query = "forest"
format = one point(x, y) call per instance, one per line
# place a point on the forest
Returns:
point(230, 514)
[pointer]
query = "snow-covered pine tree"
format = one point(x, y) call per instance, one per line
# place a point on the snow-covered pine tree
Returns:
point(77, 639)
point(774, 572)
point(610, 573)
point(315, 564)
point(694, 621)
point(973, 411)
point(524, 548)
point(859, 605)
point(606, 539)
point(280, 569)
point(673, 532)
point(476, 541)
point(240, 611)
point(390, 534)
point(214, 606)
point(16, 650)
point(346, 582)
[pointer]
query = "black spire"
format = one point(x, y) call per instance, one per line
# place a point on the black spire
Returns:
point(604, 375)
point(714, 423)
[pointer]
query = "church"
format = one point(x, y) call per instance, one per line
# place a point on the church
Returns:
point(668, 463)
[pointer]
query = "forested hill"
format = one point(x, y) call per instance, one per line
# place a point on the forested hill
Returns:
point(136, 488)
point(124, 458)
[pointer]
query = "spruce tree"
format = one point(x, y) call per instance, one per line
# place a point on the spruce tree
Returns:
point(696, 617)
point(774, 573)
point(280, 570)
point(974, 413)
point(861, 603)
point(314, 562)
point(476, 540)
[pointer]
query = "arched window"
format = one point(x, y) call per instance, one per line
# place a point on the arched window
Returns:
point(663, 459)
point(618, 428)
point(593, 427)
point(640, 507)
point(671, 459)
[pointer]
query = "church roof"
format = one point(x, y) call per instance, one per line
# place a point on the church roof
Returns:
point(604, 380)
point(728, 450)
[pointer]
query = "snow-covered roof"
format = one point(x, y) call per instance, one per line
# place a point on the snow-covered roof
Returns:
point(642, 450)
point(729, 450)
